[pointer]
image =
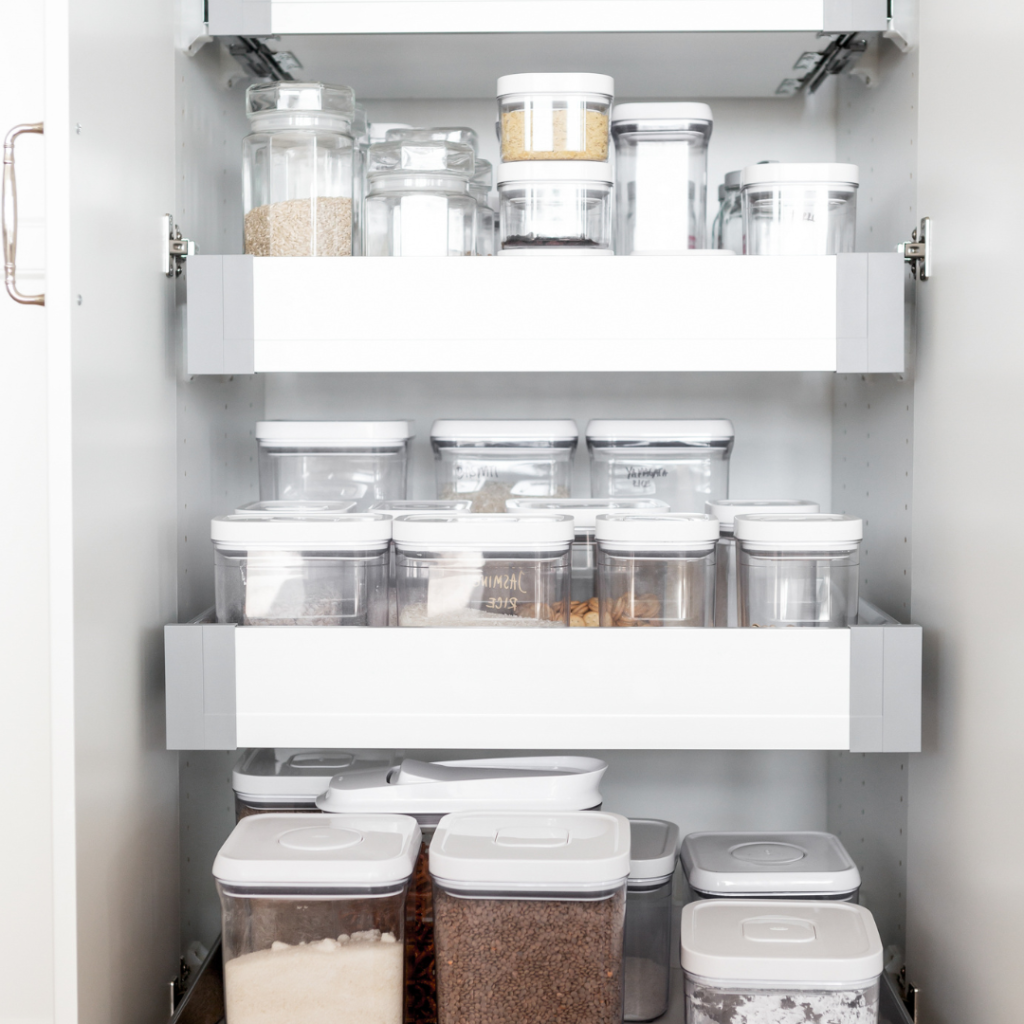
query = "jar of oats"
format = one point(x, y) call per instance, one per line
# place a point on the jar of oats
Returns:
point(298, 169)
point(554, 116)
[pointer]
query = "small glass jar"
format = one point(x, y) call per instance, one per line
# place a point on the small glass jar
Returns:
point(661, 174)
point(554, 116)
point(798, 570)
point(725, 511)
point(303, 509)
point(490, 461)
point(299, 166)
point(289, 571)
point(727, 231)
point(656, 570)
point(480, 190)
point(483, 570)
point(799, 209)
point(460, 136)
point(555, 205)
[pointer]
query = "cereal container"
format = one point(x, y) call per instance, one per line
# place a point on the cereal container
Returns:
point(296, 508)
point(490, 461)
point(529, 914)
point(727, 230)
point(656, 570)
point(483, 570)
point(776, 960)
point(312, 911)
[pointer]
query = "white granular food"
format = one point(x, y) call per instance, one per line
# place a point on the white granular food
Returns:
point(354, 979)
point(286, 228)
point(416, 615)
point(709, 1005)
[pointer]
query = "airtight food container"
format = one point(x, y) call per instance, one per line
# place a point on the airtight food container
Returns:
point(654, 850)
point(480, 190)
point(683, 462)
point(554, 116)
point(798, 570)
point(727, 230)
point(584, 511)
point(291, 571)
point(769, 865)
point(312, 912)
point(490, 461)
point(463, 569)
point(429, 791)
point(529, 913)
point(777, 960)
point(725, 511)
point(361, 460)
point(296, 508)
point(799, 209)
point(656, 570)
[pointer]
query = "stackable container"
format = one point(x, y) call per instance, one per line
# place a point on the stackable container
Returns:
point(683, 462)
point(656, 570)
point(798, 570)
point(661, 173)
point(554, 116)
point(312, 911)
point(428, 791)
point(297, 508)
point(480, 190)
point(799, 209)
point(291, 571)
point(725, 511)
point(727, 230)
point(362, 460)
point(584, 512)
point(483, 570)
point(529, 912)
point(769, 865)
point(654, 849)
point(490, 461)
point(760, 960)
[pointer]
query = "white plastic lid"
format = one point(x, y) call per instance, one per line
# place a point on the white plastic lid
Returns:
point(408, 506)
point(653, 848)
point(559, 82)
point(820, 528)
point(799, 943)
point(352, 530)
point(669, 529)
point(574, 849)
point(657, 430)
point(799, 174)
point(554, 170)
point(483, 530)
point(313, 849)
point(758, 864)
point(296, 508)
point(732, 179)
point(278, 774)
point(497, 783)
point(584, 511)
point(555, 250)
point(661, 112)
point(726, 509)
point(327, 432)
point(504, 430)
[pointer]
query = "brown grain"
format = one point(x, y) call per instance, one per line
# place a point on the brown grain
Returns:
point(286, 228)
point(516, 146)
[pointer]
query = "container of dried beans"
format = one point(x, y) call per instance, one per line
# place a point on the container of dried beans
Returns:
point(529, 917)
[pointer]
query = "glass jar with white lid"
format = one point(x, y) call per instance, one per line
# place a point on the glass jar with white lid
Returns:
point(727, 230)
point(799, 570)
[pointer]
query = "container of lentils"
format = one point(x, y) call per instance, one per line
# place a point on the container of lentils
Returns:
point(780, 961)
point(428, 791)
point(529, 915)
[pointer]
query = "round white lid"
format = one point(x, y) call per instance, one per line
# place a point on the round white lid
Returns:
point(732, 179)
point(352, 529)
point(555, 250)
point(726, 509)
point(348, 431)
point(314, 849)
point(539, 81)
point(798, 942)
point(296, 508)
point(653, 848)
point(650, 430)
point(661, 112)
point(768, 864)
point(572, 849)
point(823, 527)
point(279, 773)
point(799, 174)
point(483, 529)
point(558, 783)
point(555, 170)
point(504, 430)
point(407, 506)
point(584, 511)
point(666, 528)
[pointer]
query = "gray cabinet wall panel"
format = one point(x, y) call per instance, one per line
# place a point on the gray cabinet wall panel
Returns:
point(855, 16)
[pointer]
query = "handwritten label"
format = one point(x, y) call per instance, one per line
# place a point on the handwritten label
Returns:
point(476, 471)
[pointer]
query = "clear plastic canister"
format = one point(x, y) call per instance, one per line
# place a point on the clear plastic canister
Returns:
point(656, 570)
point(799, 209)
point(727, 230)
point(661, 171)
point(798, 570)
point(299, 167)
point(480, 190)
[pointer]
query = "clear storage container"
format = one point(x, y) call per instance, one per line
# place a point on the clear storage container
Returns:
point(529, 911)
point(555, 204)
point(483, 570)
point(490, 461)
point(727, 230)
point(460, 136)
point(799, 209)
point(296, 508)
point(769, 865)
point(661, 176)
point(554, 116)
point(725, 511)
point(584, 511)
point(361, 136)
point(656, 570)
point(779, 961)
point(301, 572)
point(312, 911)
point(298, 169)
point(683, 462)
point(799, 570)
point(654, 849)
point(480, 190)
point(361, 460)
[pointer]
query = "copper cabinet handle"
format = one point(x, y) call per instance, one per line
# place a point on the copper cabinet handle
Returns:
point(10, 215)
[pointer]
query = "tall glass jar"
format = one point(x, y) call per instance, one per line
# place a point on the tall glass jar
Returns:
point(480, 190)
point(298, 169)
point(727, 231)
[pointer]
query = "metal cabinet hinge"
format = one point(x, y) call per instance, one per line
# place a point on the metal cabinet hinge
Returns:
point(175, 248)
point(918, 251)
point(908, 993)
point(815, 66)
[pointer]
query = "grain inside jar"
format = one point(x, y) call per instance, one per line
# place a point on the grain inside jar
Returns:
point(583, 138)
point(288, 228)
